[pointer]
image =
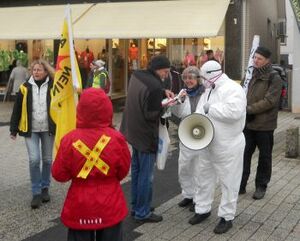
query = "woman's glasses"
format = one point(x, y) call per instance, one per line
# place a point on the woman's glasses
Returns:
point(189, 77)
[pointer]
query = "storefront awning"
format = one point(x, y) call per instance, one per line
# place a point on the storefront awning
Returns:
point(39, 22)
point(163, 19)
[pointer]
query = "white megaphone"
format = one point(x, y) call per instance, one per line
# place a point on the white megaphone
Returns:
point(196, 131)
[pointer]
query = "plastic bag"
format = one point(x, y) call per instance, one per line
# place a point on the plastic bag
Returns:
point(163, 146)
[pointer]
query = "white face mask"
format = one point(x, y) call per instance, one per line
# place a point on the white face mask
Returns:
point(210, 83)
point(207, 84)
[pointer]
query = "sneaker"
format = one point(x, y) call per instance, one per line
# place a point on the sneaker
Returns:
point(185, 202)
point(45, 195)
point(223, 226)
point(153, 218)
point(198, 218)
point(242, 190)
point(192, 208)
point(259, 193)
point(133, 213)
point(36, 201)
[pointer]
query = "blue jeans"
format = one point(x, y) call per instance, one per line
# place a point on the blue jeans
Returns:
point(142, 165)
point(39, 178)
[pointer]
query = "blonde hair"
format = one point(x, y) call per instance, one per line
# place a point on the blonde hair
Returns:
point(48, 68)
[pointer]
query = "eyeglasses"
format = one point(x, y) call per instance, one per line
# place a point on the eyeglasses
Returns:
point(189, 77)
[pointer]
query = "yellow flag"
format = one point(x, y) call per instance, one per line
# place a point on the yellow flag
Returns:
point(66, 81)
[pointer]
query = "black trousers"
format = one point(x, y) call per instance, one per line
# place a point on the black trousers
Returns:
point(113, 233)
point(264, 141)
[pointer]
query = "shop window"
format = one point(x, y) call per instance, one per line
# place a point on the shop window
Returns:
point(156, 46)
point(118, 67)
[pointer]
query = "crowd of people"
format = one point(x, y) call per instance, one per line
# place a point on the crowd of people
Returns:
point(95, 157)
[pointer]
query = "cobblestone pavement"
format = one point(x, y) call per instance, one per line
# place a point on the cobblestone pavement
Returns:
point(276, 217)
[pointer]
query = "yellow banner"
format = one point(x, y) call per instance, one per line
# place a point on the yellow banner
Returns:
point(63, 96)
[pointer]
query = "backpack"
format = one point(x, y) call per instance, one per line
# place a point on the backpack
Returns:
point(281, 72)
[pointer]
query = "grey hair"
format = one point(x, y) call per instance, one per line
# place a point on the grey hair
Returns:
point(192, 70)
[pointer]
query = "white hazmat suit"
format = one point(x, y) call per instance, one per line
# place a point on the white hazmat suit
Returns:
point(187, 157)
point(224, 103)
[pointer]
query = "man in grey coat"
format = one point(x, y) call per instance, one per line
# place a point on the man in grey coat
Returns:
point(140, 127)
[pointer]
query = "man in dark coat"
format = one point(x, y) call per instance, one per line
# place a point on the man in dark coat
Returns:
point(263, 96)
point(140, 126)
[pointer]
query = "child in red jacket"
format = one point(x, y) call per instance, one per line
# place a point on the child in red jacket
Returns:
point(95, 157)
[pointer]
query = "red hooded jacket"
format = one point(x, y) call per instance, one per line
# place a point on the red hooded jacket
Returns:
point(96, 201)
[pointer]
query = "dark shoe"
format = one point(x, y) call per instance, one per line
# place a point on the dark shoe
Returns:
point(192, 208)
point(36, 201)
point(259, 193)
point(153, 218)
point(242, 190)
point(185, 202)
point(45, 195)
point(223, 226)
point(198, 218)
point(133, 213)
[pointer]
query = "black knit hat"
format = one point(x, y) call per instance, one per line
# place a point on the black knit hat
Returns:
point(264, 52)
point(159, 62)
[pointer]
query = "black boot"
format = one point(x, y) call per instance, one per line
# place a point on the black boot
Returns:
point(132, 213)
point(45, 195)
point(192, 208)
point(153, 218)
point(223, 226)
point(185, 202)
point(36, 201)
point(198, 218)
point(259, 193)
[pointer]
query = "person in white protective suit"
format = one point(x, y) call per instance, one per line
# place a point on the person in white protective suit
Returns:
point(224, 103)
point(187, 157)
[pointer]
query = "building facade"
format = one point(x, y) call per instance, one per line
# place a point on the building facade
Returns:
point(290, 51)
point(184, 45)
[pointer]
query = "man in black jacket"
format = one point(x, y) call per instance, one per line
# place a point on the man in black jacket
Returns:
point(140, 126)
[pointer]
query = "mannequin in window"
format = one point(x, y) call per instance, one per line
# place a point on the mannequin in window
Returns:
point(219, 55)
point(103, 55)
point(189, 59)
point(37, 49)
point(202, 59)
point(87, 58)
point(133, 55)
point(210, 55)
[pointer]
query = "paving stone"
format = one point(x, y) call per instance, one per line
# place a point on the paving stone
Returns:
point(260, 235)
point(260, 217)
point(192, 231)
point(278, 235)
point(276, 217)
point(203, 236)
point(270, 225)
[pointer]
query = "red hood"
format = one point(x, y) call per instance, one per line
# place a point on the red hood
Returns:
point(94, 109)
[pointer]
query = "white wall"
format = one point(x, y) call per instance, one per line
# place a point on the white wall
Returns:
point(296, 71)
point(293, 50)
point(290, 22)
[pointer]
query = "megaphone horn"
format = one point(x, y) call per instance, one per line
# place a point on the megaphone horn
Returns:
point(196, 131)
